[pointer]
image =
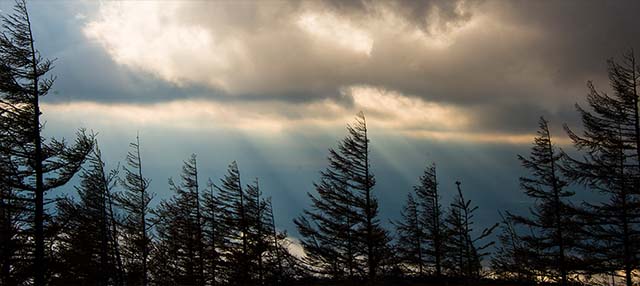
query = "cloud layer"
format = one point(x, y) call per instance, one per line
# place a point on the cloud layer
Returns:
point(503, 64)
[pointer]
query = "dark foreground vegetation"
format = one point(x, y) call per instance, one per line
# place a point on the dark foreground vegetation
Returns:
point(223, 232)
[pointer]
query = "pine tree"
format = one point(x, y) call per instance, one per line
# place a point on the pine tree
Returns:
point(278, 258)
point(342, 231)
point(513, 257)
point(43, 164)
point(235, 220)
point(212, 235)
point(134, 202)
point(410, 242)
point(465, 255)
point(431, 218)
point(14, 214)
point(89, 240)
point(611, 166)
point(258, 234)
point(552, 219)
point(179, 229)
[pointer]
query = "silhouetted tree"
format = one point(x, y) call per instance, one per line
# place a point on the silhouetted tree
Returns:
point(213, 236)
point(41, 164)
point(282, 266)
point(88, 242)
point(179, 229)
point(257, 236)
point(552, 220)
point(465, 249)
point(342, 227)
point(431, 218)
point(611, 166)
point(136, 226)
point(411, 237)
point(327, 231)
point(512, 259)
point(15, 214)
point(235, 226)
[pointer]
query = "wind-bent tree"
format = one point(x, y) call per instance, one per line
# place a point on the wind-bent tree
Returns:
point(258, 234)
point(39, 165)
point(432, 218)
point(552, 220)
point(88, 242)
point(235, 226)
point(15, 214)
point(136, 226)
point(282, 266)
point(512, 259)
point(266, 251)
point(611, 166)
point(327, 230)
point(410, 238)
point(465, 248)
point(179, 230)
point(342, 233)
point(422, 232)
point(212, 235)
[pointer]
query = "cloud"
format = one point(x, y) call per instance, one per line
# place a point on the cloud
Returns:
point(388, 112)
point(503, 64)
point(262, 48)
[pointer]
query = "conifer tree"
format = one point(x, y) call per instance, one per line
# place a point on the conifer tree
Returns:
point(14, 246)
point(258, 235)
point(512, 259)
point(465, 249)
point(342, 232)
point(610, 165)
point(411, 237)
point(328, 230)
point(42, 164)
point(235, 221)
point(136, 226)
point(278, 257)
point(552, 220)
point(89, 247)
point(179, 229)
point(431, 218)
point(212, 235)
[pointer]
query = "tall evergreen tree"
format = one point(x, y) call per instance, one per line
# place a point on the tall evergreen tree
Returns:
point(552, 220)
point(410, 242)
point(235, 226)
point(343, 228)
point(611, 166)
point(432, 218)
point(513, 257)
point(212, 235)
point(179, 229)
point(466, 249)
point(42, 164)
point(258, 234)
point(136, 226)
point(282, 266)
point(14, 246)
point(89, 247)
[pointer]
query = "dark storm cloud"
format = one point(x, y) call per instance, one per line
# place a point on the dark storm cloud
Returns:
point(417, 13)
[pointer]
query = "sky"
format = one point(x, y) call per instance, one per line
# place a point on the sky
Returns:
point(272, 84)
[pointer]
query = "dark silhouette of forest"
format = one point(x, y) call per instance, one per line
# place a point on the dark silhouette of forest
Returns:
point(223, 232)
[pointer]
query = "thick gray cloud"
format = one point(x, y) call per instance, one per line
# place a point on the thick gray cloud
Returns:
point(508, 59)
